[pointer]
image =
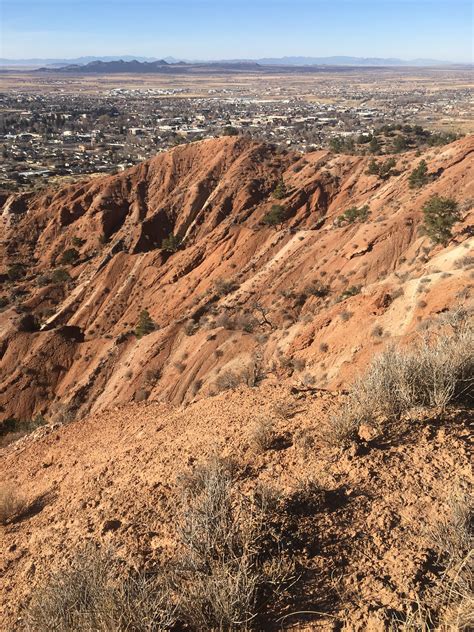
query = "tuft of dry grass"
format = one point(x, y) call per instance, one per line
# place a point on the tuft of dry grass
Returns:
point(12, 503)
point(452, 606)
point(437, 370)
point(262, 436)
point(230, 566)
point(93, 594)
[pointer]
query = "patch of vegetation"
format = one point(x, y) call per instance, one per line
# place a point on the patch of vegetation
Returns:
point(438, 370)
point(3, 302)
point(12, 503)
point(69, 256)
point(419, 176)
point(390, 138)
point(60, 275)
point(262, 436)
point(353, 290)
point(341, 144)
point(353, 214)
point(92, 593)
point(280, 191)
point(439, 216)
point(12, 429)
point(77, 242)
point(225, 286)
point(232, 560)
point(383, 169)
point(16, 272)
point(172, 243)
point(145, 325)
point(275, 216)
point(230, 131)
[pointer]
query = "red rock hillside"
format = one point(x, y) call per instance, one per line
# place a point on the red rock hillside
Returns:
point(239, 300)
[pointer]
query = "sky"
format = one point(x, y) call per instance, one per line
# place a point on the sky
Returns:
point(244, 29)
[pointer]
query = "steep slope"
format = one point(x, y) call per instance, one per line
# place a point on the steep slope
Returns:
point(240, 300)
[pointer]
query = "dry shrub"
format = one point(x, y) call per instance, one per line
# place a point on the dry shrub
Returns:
point(262, 436)
point(91, 594)
point(452, 537)
point(230, 566)
point(228, 380)
point(285, 408)
point(435, 372)
point(12, 503)
point(304, 440)
point(250, 374)
point(451, 607)
point(225, 286)
point(344, 424)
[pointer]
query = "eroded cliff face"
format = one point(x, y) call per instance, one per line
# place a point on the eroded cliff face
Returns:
point(240, 300)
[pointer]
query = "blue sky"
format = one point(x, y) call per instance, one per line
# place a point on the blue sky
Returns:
point(223, 29)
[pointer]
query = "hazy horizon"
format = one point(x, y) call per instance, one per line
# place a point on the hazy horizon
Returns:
point(237, 29)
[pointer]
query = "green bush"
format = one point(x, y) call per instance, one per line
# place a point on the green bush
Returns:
point(440, 215)
point(383, 169)
point(280, 191)
point(172, 243)
point(341, 145)
point(230, 131)
point(60, 275)
point(69, 256)
point(16, 272)
point(275, 216)
point(354, 214)
point(419, 176)
point(145, 324)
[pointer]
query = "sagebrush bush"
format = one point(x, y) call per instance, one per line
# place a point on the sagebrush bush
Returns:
point(92, 594)
point(12, 503)
point(452, 608)
point(231, 564)
point(262, 436)
point(436, 371)
point(439, 369)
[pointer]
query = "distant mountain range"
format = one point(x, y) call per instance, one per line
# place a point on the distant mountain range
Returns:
point(348, 61)
point(159, 66)
point(64, 62)
point(266, 61)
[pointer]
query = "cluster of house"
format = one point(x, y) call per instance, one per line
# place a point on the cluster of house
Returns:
point(65, 134)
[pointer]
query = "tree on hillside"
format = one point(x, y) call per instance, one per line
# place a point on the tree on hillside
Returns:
point(400, 144)
point(230, 131)
point(172, 243)
point(280, 191)
point(374, 145)
point(145, 324)
point(419, 176)
point(70, 256)
point(275, 216)
point(440, 215)
point(373, 168)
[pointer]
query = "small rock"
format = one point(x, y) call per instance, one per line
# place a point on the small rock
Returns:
point(111, 525)
point(366, 432)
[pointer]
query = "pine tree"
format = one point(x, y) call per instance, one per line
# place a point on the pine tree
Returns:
point(275, 216)
point(280, 191)
point(440, 215)
point(145, 324)
point(172, 243)
point(419, 176)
